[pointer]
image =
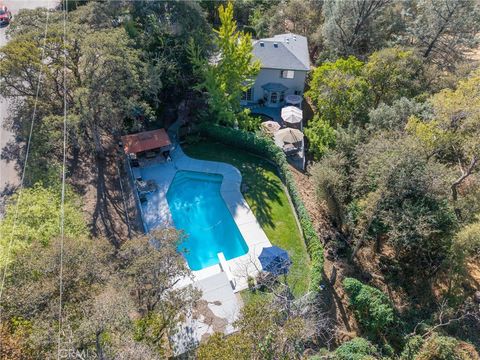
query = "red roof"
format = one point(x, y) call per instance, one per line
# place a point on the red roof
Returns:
point(144, 141)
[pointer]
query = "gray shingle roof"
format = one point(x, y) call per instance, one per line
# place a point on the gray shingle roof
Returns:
point(284, 51)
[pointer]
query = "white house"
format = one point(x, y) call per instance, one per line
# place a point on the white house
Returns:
point(284, 65)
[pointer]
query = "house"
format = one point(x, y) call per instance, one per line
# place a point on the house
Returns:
point(284, 65)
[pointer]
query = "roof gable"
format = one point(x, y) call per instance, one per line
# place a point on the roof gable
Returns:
point(285, 51)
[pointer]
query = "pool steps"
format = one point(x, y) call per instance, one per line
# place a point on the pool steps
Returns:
point(226, 269)
point(183, 176)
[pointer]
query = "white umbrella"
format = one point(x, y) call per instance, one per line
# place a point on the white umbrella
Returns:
point(292, 114)
point(289, 136)
point(270, 127)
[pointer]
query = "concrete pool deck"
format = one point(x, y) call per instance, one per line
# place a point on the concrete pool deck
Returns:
point(156, 212)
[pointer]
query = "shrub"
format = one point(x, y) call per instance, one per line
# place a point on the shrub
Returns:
point(356, 349)
point(372, 307)
point(412, 347)
point(330, 178)
point(266, 148)
point(443, 348)
point(321, 136)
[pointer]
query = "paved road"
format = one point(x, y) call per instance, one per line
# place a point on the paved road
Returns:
point(8, 175)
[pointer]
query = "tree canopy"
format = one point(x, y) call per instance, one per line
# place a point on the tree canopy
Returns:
point(231, 71)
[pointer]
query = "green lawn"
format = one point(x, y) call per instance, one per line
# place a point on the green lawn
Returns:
point(266, 196)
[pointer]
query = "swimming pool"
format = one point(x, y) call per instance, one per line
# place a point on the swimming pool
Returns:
point(197, 208)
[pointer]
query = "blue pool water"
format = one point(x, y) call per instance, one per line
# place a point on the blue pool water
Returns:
point(198, 209)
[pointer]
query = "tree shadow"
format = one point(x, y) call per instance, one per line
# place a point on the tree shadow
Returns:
point(11, 152)
point(108, 216)
point(261, 192)
point(333, 303)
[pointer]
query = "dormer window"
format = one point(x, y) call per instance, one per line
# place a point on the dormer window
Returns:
point(287, 74)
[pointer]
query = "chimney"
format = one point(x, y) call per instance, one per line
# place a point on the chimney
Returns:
point(262, 44)
point(275, 45)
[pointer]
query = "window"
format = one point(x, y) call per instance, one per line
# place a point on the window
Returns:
point(287, 74)
point(282, 96)
point(247, 95)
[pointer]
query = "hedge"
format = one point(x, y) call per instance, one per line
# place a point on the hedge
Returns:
point(266, 148)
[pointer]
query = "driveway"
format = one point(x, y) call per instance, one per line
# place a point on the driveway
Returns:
point(8, 175)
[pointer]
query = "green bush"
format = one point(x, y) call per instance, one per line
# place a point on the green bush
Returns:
point(266, 148)
point(439, 348)
point(321, 136)
point(412, 348)
point(372, 307)
point(356, 349)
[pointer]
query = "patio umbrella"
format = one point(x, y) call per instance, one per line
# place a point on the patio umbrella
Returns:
point(289, 136)
point(270, 127)
point(275, 260)
point(292, 115)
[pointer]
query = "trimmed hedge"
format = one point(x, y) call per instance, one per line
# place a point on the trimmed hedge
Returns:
point(266, 148)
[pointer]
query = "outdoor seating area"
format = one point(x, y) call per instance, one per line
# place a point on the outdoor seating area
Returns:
point(287, 134)
point(147, 147)
point(145, 186)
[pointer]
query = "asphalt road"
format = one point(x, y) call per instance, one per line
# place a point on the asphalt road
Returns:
point(8, 174)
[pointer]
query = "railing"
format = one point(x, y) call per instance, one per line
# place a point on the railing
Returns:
point(135, 192)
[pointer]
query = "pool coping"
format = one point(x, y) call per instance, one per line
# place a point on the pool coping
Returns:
point(241, 267)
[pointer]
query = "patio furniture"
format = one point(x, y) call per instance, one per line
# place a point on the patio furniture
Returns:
point(132, 157)
point(289, 149)
point(150, 154)
point(295, 100)
point(146, 186)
